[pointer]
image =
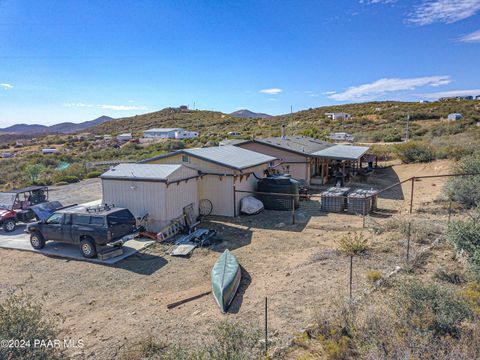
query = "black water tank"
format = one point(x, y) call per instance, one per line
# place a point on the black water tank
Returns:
point(281, 184)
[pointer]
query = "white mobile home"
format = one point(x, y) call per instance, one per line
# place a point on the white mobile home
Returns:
point(162, 191)
point(341, 136)
point(125, 137)
point(455, 117)
point(338, 116)
point(169, 133)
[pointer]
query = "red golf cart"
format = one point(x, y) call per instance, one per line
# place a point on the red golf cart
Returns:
point(16, 205)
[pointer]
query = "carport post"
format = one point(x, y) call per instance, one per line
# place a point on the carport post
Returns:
point(411, 194)
point(234, 202)
point(266, 327)
point(364, 208)
point(408, 239)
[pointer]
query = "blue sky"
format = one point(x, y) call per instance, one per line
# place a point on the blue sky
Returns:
point(65, 60)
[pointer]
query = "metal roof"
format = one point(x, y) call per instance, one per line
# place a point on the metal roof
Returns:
point(162, 129)
point(229, 156)
point(298, 144)
point(149, 172)
point(232, 142)
point(343, 152)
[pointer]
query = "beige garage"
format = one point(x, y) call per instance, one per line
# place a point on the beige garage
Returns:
point(222, 170)
point(162, 191)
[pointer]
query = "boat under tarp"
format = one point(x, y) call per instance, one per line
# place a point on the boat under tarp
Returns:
point(226, 276)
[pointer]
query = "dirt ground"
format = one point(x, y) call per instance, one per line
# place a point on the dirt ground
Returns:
point(296, 266)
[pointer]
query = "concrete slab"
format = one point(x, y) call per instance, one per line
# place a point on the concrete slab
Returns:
point(19, 240)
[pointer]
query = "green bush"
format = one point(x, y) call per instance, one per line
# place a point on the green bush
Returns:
point(415, 151)
point(21, 318)
point(431, 308)
point(93, 174)
point(465, 189)
point(465, 236)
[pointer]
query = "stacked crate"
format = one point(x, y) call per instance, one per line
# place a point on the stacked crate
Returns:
point(362, 201)
point(334, 199)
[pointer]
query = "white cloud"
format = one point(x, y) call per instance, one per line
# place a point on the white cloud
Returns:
point(6, 86)
point(328, 92)
point(122, 107)
point(444, 11)
point(79, 104)
point(272, 99)
point(272, 91)
point(381, 87)
point(377, 1)
point(473, 37)
point(473, 92)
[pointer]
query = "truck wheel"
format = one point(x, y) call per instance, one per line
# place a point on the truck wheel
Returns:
point(87, 247)
point(37, 240)
point(9, 225)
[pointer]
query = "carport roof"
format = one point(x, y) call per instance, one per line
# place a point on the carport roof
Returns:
point(229, 156)
point(151, 172)
point(342, 152)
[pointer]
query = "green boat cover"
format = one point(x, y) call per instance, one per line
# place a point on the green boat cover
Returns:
point(226, 275)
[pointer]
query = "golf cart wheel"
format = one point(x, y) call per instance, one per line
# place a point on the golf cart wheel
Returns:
point(9, 225)
point(37, 240)
point(205, 207)
point(87, 247)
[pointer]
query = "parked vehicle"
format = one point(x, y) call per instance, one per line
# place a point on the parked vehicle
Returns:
point(16, 205)
point(94, 228)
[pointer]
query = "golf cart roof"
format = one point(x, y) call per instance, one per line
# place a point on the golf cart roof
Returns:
point(27, 189)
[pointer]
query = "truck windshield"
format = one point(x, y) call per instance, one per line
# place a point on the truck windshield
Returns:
point(7, 200)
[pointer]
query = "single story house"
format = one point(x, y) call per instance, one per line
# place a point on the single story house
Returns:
point(125, 137)
point(454, 117)
point(338, 116)
point(341, 136)
point(169, 133)
point(222, 170)
point(302, 157)
point(49, 151)
point(162, 191)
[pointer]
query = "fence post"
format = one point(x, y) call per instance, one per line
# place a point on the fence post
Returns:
point(266, 327)
point(364, 208)
point(293, 210)
point(234, 202)
point(408, 240)
point(449, 211)
point(351, 276)
point(411, 194)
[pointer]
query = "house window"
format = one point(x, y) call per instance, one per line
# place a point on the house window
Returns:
point(271, 164)
point(185, 158)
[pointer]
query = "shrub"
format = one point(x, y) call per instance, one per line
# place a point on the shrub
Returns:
point(453, 277)
point(373, 275)
point(93, 174)
point(465, 236)
point(21, 318)
point(353, 244)
point(415, 151)
point(465, 189)
point(432, 308)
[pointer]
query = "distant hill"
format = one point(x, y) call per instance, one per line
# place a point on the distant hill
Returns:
point(62, 128)
point(244, 113)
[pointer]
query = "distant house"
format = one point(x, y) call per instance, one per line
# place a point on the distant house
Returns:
point(468, 97)
point(125, 137)
point(7, 155)
point(107, 137)
point(341, 136)
point(477, 97)
point(49, 151)
point(19, 143)
point(169, 133)
point(338, 116)
point(233, 133)
point(454, 117)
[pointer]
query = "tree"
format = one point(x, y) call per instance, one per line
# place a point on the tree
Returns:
point(352, 245)
point(33, 171)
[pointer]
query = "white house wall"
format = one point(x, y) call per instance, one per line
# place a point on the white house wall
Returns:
point(219, 190)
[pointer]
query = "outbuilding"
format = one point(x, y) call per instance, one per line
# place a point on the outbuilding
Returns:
point(162, 191)
point(227, 173)
point(455, 117)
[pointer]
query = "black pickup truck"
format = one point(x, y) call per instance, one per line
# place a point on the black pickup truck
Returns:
point(92, 229)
